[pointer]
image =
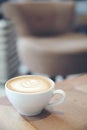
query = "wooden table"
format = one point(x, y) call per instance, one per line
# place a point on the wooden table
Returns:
point(71, 115)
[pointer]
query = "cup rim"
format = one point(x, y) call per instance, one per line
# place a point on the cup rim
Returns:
point(26, 93)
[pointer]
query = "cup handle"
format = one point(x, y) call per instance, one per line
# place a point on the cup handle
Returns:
point(61, 92)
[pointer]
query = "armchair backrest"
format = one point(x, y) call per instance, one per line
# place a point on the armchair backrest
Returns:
point(41, 18)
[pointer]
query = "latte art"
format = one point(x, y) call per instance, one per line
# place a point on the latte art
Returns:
point(29, 84)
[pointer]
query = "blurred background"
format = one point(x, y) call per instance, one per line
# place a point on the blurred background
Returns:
point(43, 37)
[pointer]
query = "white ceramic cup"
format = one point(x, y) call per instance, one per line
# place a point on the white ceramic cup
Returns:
point(31, 104)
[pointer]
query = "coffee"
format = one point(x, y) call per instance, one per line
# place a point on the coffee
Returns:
point(30, 94)
point(29, 84)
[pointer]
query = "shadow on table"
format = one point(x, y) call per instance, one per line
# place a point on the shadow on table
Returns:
point(42, 115)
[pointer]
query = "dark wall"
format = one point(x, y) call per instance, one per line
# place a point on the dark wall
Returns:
point(1, 1)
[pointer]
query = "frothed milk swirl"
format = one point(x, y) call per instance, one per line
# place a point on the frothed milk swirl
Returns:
point(29, 84)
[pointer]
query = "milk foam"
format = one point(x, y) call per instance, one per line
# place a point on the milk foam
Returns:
point(29, 84)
